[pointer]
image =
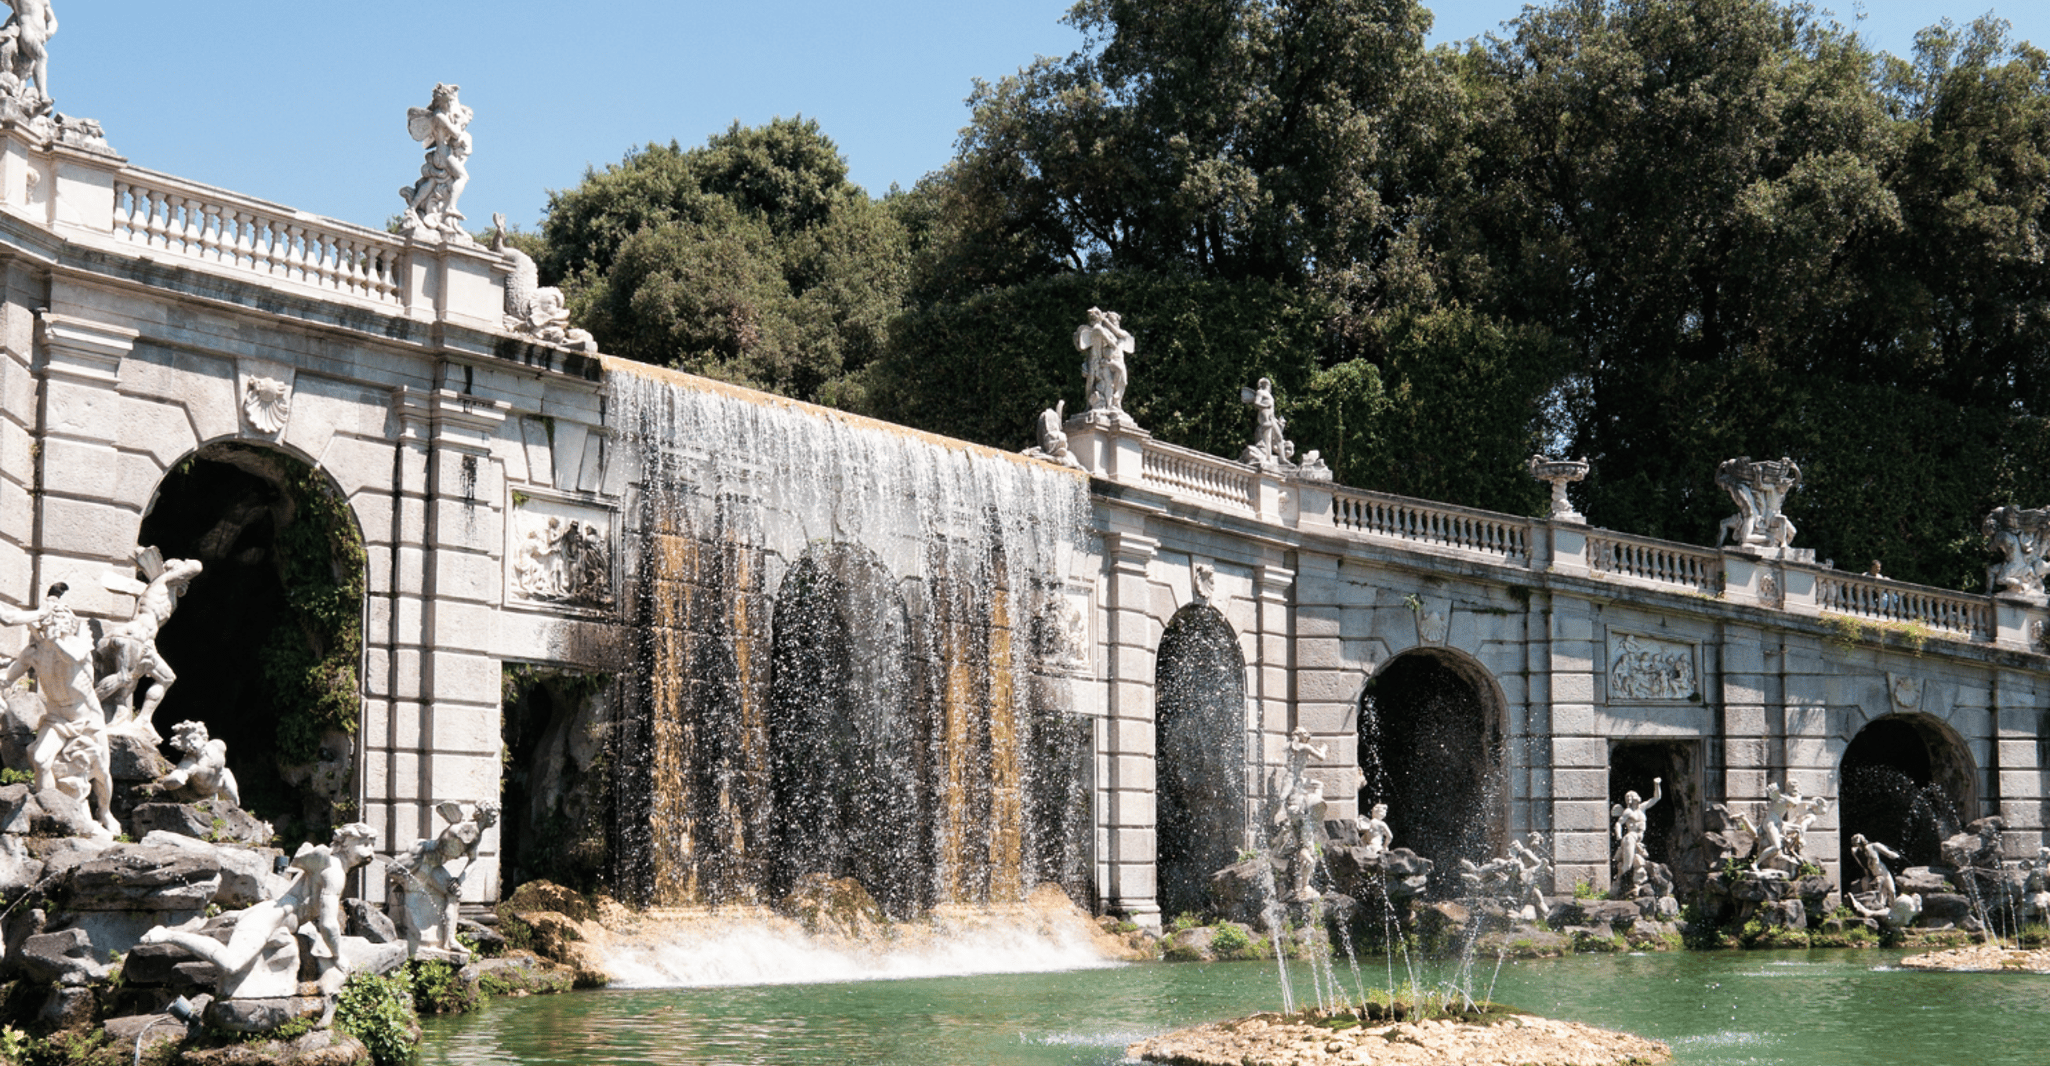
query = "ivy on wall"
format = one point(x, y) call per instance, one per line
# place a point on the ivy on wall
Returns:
point(310, 665)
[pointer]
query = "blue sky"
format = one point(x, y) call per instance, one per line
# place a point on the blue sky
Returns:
point(304, 103)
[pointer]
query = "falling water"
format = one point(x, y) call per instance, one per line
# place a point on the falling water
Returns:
point(849, 657)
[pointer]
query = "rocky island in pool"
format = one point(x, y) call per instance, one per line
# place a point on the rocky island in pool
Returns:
point(1488, 1036)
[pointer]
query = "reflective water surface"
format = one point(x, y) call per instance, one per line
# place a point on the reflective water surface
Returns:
point(1820, 1008)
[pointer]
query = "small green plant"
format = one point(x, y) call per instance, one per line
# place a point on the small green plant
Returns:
point(439, 989)
point(1230, 941)
point(16, 777)
point(1186, 920)
point(379, 1012)
point(1808, 869)
point(1584, 889)
point(13, 1044)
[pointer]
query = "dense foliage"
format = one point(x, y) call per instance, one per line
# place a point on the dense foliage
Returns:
point(1658, 233)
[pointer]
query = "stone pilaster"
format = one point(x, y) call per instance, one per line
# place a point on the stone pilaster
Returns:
point(1271, 688)
point(81, 525)
point(1133, 635)
point(1579, 753)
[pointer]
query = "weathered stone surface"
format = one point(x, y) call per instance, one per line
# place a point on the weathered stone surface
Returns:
point(154, 1029)
point(1784, 914)
point(18, 869)
point(1595, 912)
point(118, 931)
point(548, 896)
point(261, 1015)
point(322, 1047)
point(182, 819)
point(213, 821)
point(168, 965)
point(1923, 880)
point(363, 956)
point(367, 920)
point(1237, 893)
point(18, 809)
point(828, 906)
point(138, 878)
point(64, 957)
point(1944, 908)
point(132, 759)
point(489, 941)
point(518, 975)
point(68, 1008)
point(1271, 1040)
point(248, 875)
point(59, 814)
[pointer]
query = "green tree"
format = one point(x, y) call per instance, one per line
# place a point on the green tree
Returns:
point(751, 259)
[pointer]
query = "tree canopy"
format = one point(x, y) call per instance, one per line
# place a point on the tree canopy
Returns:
point(1657, 233)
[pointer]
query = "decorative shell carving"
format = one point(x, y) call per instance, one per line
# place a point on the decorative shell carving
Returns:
point(267, 403)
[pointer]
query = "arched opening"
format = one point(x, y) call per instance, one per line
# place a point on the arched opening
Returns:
point(267, 641)
point(848, 753)
point(1199, 732)
point(1673, 828)
point(1431, 749)
point(1908, 783)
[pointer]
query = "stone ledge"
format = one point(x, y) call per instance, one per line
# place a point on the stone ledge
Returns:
point(1265, 1039)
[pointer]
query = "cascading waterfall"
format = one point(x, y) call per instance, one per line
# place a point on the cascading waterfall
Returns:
point(847, 661)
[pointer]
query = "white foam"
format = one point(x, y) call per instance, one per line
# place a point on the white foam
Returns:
point(758, 953)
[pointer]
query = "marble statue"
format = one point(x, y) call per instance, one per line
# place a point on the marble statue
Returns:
point(1375, 836)
point(1053, 440)
point(1296, 770)
point(534, 310)
point(1787, 818)
point(426, 883)
point(2036, 885)
point(1270, 450)
point(2018, 540)
point(1631, 868)
point(1559, 473)
point(25, 51)
point(262, 956)
point(1108, 344)
point(1202, 582)
point(431, 203)
point(1760, 490)
point(1872, 856)
point(1531, 867)
point(1301, 817)
point(70, 752)
point(202, 772)
point(132, 646)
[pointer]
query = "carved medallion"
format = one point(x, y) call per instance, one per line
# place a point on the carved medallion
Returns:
point(1645, 668)
point(266, 403)
point(561, 554)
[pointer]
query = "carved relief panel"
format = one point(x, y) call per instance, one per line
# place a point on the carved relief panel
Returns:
point(1647, 668)
point(561, 553)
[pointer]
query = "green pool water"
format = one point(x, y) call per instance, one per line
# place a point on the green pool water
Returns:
point(1818, 1008)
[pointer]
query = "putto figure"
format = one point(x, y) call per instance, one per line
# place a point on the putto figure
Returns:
point(202, 769)
point(1632, 870)
point(132, 647)
point(531, 308)
point(1107, 343)
point(1053, 440)
point(444, 127)
point(427, 882)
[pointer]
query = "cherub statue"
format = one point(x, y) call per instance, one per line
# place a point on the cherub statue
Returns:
point(1301, 818)
point(203, 769)
point(1760, 491)
point(1375, 836)
point(2036, 885)
point(132, 646)
point(427, 885)
point(2017, 540)
point(261, 958)
point(1269, 448)
point(444, 127)
point(1629, 832)
point(1784, 810)
point(1107, 343)
point(1296, 769)
point(70, 751)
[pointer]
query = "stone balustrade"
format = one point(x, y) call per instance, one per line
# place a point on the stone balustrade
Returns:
point(1496, 537)
point(1185, 471)
point(1790, 584)
point(164, 213)
point(1655, 562)
point(1949, 614)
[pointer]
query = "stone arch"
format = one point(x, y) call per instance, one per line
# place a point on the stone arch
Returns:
point(848, 746)
point(1432, 747)
point(1906, 781)
point(1199, 730)
point(267, 641)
